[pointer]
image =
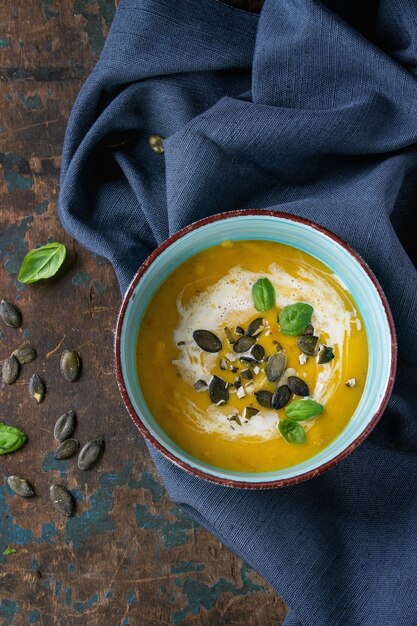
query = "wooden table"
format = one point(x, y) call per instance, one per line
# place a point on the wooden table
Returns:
point(128, 556)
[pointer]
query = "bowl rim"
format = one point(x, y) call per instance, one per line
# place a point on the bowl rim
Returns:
point(229, 482)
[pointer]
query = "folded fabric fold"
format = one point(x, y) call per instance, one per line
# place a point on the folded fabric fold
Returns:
point(309, 109)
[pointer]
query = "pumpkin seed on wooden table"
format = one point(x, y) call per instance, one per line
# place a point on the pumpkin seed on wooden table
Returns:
point(70, 365)
point(20, 486)
point(65, 426)
point(37, 388)
point(25, 355)
point(62, 499)
point(298, 386)
point(66, 449)
point(275, 366)
point(10, 370)
point(207, 341)
point(10, 314)
point(91, 453)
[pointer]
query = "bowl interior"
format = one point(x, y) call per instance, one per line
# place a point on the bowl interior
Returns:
point(293, 233)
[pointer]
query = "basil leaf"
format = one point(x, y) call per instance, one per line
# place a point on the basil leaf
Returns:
point(263, 294)
point(11, 438)
point(291, 431)
point(42, 262)
point(301, 410)
point(295, 318)
point(9, 550)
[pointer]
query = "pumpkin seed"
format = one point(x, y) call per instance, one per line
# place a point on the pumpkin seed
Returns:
point(10, 370)
point(62, 499)
point(326, 354)
point(255, 327)
point(281, 397)
point(248, 374)
point(223, 364)
point(298, 386)
point(258, 352)
point(65, 426)
point(264, 398)
point(70, 365)
point(90, 453)
point(25, 355)
point(278, 346)
point(200, 385)
point(229, 335)
point(308, 344)
point(243, 344)
point(351, 382)
point(275, 366)
point(37, 388)
point(235, 418)
point(10, 314)
point(249, 412)
point(20, 486)
point(218, 390)
point(207, 341)
point(309, 330)
point(66, 449)
point(239, 330)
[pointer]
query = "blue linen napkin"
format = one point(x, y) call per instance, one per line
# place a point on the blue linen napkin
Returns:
point(310, 109)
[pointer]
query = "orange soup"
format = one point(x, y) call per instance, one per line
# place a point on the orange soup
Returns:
point(252, 356)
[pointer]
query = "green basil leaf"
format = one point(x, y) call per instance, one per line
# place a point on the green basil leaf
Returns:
point(42, 262)
point(11, 438)
point(294, 318)
point(291, 431)
point(9, 550)
point(301, 410)
point(263, 294)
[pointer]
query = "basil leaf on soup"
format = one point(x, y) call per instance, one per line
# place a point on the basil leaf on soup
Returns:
point(11, 438)
point(42, 263)
point(301, 410)
point(263, 294)
point(294, 318)
point(291, 431)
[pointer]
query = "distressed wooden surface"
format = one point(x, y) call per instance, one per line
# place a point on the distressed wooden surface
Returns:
point(128, 556)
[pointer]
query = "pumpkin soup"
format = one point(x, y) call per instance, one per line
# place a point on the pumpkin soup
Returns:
point(252, 356)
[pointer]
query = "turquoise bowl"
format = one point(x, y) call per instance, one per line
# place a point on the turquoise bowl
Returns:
point(296, 232)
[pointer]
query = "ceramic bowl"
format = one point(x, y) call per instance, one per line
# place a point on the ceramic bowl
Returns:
point(296, 232)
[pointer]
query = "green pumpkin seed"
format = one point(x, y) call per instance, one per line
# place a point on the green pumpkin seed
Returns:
point(264, 398)
point(200, 385)
point(70, 365)
point(255, 327)
point(20, 486)
point(207, 341)
point(10, 370)
point(218, 390)
point(66, 449)
point(298, 386)
point(281, 397)
point(308, 344)
point(25, 355)
point(326, 354)
point(275, 366)
point(239, 330)
point(223, 364)
point(257, 352)
point(309, 330)
point(62, 499)
point(37, 389)
point(229, 335)
point(250, 412)
point(243, 344)
point(10, 314)
point(65, 426)
point(247, 374)
point(91, 453)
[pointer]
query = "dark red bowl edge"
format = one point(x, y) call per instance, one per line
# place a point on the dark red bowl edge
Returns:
point(228, 482)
